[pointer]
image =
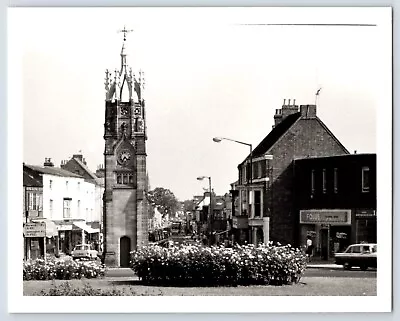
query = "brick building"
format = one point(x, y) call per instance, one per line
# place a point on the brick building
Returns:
point(335, 201)
point(265, 186)
point(125, 205)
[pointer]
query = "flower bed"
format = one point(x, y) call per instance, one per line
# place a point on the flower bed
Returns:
point(195, 265)
point(61, 270)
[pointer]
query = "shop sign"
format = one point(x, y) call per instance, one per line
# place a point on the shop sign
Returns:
point(240, 222)
point(34, 189)
point(340, 235)
point(35, 229)
point(311, 233)
point(365, 213)
point(339, 217)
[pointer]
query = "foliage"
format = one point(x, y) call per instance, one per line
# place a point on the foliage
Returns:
point(189, 206)
point(195, 265)
point(61, 270)
point(65, 289)
point(164, 200)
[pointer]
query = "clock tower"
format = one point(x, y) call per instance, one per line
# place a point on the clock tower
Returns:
point(125, 217)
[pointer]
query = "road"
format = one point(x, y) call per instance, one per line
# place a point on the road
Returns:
point(310, 272)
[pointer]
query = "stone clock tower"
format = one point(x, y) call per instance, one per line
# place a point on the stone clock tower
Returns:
point(125, 221)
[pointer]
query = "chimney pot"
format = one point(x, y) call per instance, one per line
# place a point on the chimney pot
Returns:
point(288, 102)
point(284, 102)
point(294, 101)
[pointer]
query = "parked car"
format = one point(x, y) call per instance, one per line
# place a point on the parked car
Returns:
point(362, 255)
point(84, 251)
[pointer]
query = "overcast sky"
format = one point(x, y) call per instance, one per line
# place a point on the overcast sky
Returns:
point(208, 73)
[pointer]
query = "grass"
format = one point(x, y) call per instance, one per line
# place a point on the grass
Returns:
point(308, 286)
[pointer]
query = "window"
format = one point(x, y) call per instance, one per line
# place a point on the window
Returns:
point(365, 179)
point(312, 181)
point(66, 185)
point(335, 180)
point(324, 181)
point(51, 208)
point(50, 184)
point(79, 208)
point(79, 186)
point(256, 170)
point(119, 179)
point(263, 168)
point(125, 178)
point(130, 179)
point(257, 203)
point(67, 208)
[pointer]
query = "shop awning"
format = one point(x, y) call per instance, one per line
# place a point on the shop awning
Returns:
point(86, 228)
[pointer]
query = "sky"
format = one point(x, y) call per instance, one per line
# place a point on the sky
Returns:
point(209, 72)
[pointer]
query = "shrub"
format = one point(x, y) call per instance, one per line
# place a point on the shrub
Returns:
point(65, 289)
point(195, 265)
point(61, 270)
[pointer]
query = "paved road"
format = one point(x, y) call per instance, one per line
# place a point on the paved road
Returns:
point(310, 272)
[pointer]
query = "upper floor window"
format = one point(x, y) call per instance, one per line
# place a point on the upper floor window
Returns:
point(324, 181)
point(256, 170)
point(66, 185)
point(51, 208)
point(50, 184)
point(67, 208)
point(125, 178)
point(365, 179)
point(79, 186)
point(312, 181)
point(335, 180)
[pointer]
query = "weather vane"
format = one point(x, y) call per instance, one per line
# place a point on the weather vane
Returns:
point(125, 31)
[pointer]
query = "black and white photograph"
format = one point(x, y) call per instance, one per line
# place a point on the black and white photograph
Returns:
point(229, 156)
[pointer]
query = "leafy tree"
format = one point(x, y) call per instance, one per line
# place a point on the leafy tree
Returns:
point(189, 206)
point(164, 200)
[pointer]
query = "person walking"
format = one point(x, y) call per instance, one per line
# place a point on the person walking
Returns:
point(310, 247)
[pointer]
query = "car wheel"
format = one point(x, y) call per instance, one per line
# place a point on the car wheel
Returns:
point(347, 266)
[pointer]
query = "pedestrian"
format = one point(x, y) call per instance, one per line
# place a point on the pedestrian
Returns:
point(310, 247)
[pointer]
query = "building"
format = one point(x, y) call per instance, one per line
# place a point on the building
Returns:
point(335, 201)
point(265, 186)
point(77, 164)
point(125, 204)
point(63, 201)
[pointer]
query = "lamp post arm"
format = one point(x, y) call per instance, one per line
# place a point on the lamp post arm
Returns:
point(236, 141)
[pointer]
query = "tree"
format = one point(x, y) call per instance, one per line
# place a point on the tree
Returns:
point(189, 206)
point(164, 200)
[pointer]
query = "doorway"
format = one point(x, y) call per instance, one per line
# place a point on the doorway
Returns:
point(324, 242)
point(125, 249)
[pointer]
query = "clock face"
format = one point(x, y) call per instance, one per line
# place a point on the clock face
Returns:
point(124, 157)
point(137, 111)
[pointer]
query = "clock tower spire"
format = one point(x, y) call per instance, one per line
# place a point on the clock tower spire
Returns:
point(125, 218)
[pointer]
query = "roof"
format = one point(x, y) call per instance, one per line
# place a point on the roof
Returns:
point(30, 180)
point(277, 132)
point(334, 156)
point(56, 171)
point(87, 170)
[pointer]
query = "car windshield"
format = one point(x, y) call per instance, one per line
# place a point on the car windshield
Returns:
point(374, 248)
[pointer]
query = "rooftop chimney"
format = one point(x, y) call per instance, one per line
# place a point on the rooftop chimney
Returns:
point(48, 162)
point(308, 111)
point(78, 156)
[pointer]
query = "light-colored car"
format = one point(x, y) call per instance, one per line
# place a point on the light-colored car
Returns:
point(363, 255)
point(84, 251)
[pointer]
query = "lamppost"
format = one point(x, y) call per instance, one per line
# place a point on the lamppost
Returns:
point(250, 180)
point(210, 210)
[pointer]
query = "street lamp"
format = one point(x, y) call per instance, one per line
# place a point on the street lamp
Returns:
point(250, 181)
point(219, 139)
point(210, 211)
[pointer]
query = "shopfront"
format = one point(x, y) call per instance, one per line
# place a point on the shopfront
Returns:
point(365, 220)
point(329, 229)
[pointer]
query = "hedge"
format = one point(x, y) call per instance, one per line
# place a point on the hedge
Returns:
point(61, 270)
point(196, 265)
